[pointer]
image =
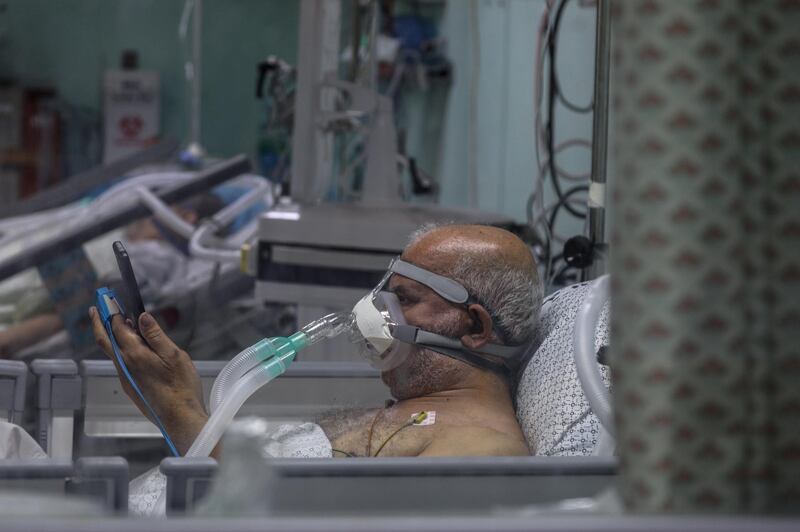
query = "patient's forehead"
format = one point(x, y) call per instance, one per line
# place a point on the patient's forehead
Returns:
point(427, 254)
point(399, 283)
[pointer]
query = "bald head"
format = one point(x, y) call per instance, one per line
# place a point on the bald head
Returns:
point(445, 245)
point(495, 267)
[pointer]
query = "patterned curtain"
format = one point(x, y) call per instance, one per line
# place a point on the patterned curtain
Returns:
point(706, 254)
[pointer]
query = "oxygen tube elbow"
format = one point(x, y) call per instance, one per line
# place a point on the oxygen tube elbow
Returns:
point(253, 368)
point(328, 326)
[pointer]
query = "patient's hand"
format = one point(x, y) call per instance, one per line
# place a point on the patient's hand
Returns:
point(165, 375)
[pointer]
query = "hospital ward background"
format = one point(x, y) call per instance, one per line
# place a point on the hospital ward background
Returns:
point(399, 265)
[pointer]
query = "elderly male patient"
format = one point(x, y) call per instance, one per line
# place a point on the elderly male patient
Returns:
point(470, 394)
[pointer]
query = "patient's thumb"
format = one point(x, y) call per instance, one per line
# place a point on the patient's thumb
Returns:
point(155, 336)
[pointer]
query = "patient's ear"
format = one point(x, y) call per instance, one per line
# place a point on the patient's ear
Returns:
point(481, 328)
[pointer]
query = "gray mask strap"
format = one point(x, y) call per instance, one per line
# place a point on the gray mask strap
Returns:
point(432, 339)
point(447, 288)
point(455, 349)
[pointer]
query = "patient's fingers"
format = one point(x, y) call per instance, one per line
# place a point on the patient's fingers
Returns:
point(157, 338)
point(127, 338)
point(134, 349)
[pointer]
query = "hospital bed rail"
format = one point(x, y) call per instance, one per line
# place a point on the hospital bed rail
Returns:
point(13, 386)
point(104, 479)
point(58, 396)
point(76, 186)
point(498, 522)
point(402, 486)
point(96, 226)
point(104, 412)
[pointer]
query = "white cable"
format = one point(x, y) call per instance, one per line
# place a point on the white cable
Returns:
point(542, 216)
point(586, 363)
point(262, 190)
point(244, 234)
point(164, 214)
point(606, 443)
point(563, 174)
point(152, 181)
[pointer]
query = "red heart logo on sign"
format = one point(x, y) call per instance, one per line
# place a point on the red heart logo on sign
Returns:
point(130, 126)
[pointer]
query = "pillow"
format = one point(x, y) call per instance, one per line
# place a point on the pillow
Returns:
point(551, 407)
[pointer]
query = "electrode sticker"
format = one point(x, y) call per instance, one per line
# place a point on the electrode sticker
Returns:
point(429, 419)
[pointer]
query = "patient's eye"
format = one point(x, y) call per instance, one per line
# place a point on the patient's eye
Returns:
point(405, 297)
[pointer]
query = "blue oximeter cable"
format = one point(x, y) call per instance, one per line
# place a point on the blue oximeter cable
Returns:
point(106, 315)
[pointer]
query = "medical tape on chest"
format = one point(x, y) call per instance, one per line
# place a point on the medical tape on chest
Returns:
point(428, 419)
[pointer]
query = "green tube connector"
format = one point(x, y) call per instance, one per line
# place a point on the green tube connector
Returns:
point(281, 347)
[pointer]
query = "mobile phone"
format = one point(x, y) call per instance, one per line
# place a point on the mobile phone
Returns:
point(131, 297)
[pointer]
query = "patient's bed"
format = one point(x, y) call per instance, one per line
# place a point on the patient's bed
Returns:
point(554, 415)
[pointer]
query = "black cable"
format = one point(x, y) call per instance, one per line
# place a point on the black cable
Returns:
point(546, 242)
point(552, 94)
point(560, 274)
point(573, 106)
point(561, 96)
point(563, 201)
point(416, 420)
point(349, 455)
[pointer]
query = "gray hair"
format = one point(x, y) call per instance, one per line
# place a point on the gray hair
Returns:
point(512, 295)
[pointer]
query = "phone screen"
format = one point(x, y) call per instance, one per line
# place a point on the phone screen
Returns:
point(131, 299)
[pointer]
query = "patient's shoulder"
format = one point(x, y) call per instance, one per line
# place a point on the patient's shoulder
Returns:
point(475, 441)
point(343, 422)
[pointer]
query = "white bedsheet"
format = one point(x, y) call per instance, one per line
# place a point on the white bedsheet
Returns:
point(304, 440)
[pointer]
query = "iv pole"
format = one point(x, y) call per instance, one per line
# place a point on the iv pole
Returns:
point(597, 185)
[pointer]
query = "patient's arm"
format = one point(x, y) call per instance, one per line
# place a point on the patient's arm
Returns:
point(164, 373)
point(25, 334)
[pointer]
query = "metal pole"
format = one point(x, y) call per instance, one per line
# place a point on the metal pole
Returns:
point(355, 42)
point(196, 86)
point(597, 185)
point(317, 55)
point(373, 45)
